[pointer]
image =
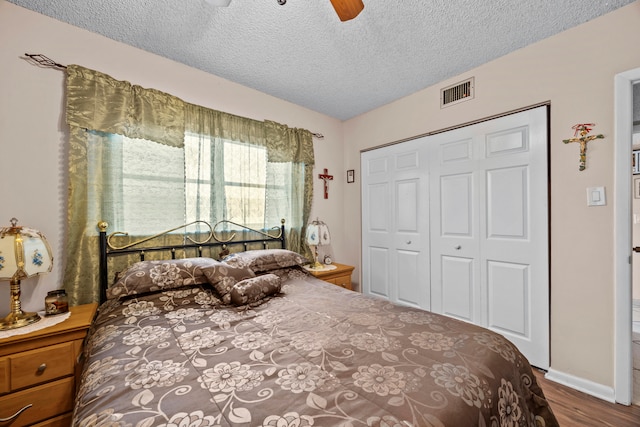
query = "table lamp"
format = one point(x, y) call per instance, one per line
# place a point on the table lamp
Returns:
point(24, 253)
point(317, 235)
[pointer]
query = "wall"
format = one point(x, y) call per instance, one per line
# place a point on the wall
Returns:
point(574, 71)
point(33, 177)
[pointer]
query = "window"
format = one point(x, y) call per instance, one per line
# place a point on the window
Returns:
point(147, 187)
point(241, 194)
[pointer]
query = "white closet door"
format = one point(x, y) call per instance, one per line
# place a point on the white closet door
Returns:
point(489, 228)
point(483, 217)
point(455, 223)
point(395, 224)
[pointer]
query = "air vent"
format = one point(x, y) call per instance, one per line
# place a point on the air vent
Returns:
point(457, 93)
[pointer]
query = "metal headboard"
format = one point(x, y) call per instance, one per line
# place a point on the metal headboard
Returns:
point(109, 249)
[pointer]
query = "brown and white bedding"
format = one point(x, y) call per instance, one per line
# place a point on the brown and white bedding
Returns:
point(171, 352)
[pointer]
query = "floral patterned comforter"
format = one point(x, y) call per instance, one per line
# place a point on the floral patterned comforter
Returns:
point(314, 355)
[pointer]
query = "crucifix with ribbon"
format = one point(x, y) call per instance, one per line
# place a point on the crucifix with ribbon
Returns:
point(582, 136)
point(326, 178)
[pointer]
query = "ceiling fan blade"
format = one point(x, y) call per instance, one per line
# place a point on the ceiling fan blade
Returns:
point(347, 9)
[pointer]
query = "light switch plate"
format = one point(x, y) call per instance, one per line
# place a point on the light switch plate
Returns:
point(596, 196)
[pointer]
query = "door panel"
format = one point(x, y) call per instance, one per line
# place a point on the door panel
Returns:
point(411, 289)
point(377, 213)
point(507, 142)
point(458, 287)
point(407, 206)
point(456, 198)
point(379, 271)
point(508, 243)
point(507, 197)
point(377, 223)
point(509, 298)
point(454, 228)
point(456, 151)
point(397, 189)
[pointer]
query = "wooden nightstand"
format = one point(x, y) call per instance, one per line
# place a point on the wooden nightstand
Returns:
point(38, 371)
point(340, 276)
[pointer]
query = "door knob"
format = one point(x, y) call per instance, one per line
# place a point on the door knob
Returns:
point(636, 249)
point(458, 247)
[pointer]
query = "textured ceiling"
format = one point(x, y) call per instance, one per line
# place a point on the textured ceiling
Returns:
point(302, 53)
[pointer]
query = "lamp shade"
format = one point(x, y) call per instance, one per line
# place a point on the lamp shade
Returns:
point(318, 234)
point(24, 252)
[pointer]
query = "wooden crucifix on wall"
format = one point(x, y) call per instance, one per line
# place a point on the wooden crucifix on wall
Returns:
point(582, 136)
point(326, 178)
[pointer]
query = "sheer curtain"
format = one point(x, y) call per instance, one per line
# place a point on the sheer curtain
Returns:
point(145, 161)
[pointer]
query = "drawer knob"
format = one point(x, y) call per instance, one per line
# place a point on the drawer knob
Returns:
point(16, 415)
point(41, 368)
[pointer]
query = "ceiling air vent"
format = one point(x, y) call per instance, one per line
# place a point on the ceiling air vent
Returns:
point(457, 93)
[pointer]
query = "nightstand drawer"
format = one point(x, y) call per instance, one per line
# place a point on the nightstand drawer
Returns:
point(5, 379)
point(47, 400)
point(61, 421)
point(41, 365)
point(343, 281)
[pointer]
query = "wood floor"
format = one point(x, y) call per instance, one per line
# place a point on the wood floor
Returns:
point(575, 409)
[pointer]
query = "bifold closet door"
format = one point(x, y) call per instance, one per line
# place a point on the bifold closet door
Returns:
point(457, 223)
point(395, 224)
point(489, 228)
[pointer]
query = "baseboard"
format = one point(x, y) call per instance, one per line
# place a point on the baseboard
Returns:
point(586, 386)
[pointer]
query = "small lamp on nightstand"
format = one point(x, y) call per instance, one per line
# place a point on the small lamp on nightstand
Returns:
point(24, 253)
point(317, 235)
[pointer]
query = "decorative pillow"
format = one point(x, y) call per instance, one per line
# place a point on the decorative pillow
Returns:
point(265, 259)
point(222, 277)
point(250, 291)
point(148, 276)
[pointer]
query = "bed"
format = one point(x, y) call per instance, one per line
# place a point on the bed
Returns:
point(254, 340)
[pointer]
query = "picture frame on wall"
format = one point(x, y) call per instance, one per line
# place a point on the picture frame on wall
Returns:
point(635, 162)
point(636, 188)
point(351, 176)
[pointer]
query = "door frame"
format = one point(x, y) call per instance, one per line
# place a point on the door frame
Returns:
point(623, 129)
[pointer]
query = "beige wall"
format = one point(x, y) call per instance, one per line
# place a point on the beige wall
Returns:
point(574, 71)
point(33, 178)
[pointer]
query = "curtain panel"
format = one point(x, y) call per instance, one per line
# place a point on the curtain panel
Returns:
point(99, 107)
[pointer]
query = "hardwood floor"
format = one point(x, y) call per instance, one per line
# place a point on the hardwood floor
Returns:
point(575, 409)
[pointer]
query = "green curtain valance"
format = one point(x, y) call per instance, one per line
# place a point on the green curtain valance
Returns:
point(280, 147)
point(96, 101)
point(217, 124)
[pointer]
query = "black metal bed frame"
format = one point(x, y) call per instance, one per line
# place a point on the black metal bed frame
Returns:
point(108, 249)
